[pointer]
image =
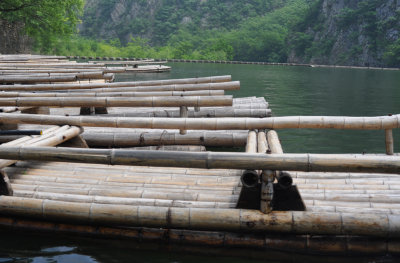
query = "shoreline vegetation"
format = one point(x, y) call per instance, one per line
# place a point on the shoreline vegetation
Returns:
point(314, 32)
point(162, 60)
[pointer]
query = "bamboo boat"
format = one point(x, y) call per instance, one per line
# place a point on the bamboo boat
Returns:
point(256, 198)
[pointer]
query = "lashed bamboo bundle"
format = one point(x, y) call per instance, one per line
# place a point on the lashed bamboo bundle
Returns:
point(121, 200)
point(148, 193)
point(28, 183)
point(361, 123)
point(96, 169)
point(214, 160)
point(194, 101)
point(377, 225)
point(120, 186)
point(173, 82)
point(117, 181)
point(113, 94)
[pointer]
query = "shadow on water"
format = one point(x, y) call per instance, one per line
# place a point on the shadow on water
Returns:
point(290, 91)
point(46, 248)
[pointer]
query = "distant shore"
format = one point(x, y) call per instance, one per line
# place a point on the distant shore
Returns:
point(233, 62)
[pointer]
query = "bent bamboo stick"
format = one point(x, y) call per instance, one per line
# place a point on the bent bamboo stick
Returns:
point(217, 160)
point(311, 122)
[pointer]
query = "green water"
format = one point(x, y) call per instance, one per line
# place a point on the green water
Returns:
point(290, 91)
point(312, 91)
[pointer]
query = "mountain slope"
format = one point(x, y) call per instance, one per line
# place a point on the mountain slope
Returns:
point(357, 32)
point(343, 32)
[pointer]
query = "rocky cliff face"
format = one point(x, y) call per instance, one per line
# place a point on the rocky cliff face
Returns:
point(344, 32)
point(119, 19)
point(157, 20)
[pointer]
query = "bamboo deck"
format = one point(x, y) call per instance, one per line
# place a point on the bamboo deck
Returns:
point(169, 188)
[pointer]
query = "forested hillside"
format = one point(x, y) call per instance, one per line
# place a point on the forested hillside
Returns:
point(197, 29)
point(357, 32)
point(342, 32)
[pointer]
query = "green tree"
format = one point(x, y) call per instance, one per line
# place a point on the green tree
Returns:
point(44, 20)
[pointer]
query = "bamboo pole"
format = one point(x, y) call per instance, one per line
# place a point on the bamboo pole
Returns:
point(214, 160)
point(377, 225)
point(274, 143)
point(209, 112)
point(95, 138)
point(171, 82)
point(363, 123)
point(234, 85)
point(183, 113)
point(251, 145)
point(389, 141)
point(192, 101)
point(262, 143)
point(113, 94)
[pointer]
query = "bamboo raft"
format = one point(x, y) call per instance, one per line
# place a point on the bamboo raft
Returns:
point(142, 169)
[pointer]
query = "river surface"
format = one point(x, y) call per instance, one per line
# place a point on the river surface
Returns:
point(289, 91)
